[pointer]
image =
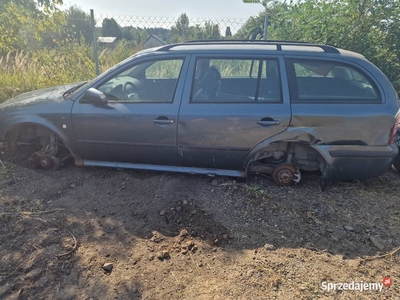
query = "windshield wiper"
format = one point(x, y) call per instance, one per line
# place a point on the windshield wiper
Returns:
point(71, 90)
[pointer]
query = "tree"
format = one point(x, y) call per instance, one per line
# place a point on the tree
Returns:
point(370, 27)
point(182, 26)
point(211, 31)
point(110, 27)
point(182, 31)
point(34, 5)
point(23, 21)
point(79, 25)
point(127, 33)
point(253, 28)
point(77, 28)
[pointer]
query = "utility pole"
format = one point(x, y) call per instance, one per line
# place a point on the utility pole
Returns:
point(266, 23)
point(95, 54)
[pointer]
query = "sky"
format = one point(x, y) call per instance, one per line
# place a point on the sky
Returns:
point(172, 8)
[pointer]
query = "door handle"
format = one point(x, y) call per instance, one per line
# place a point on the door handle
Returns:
point(163, 122)
point(263, 122)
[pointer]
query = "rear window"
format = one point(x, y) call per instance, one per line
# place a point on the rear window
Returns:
point(329, 81)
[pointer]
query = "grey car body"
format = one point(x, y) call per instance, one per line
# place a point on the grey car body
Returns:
point(220, 108)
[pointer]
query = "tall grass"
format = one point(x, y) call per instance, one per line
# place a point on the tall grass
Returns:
point(124, 49)
point(21, 72)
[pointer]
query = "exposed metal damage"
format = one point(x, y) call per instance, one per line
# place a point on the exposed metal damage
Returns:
point(284, 161)
point(40, 147)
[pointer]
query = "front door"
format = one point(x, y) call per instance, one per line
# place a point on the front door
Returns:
point(139, 122)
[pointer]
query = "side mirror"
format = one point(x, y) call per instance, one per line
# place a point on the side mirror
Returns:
point(95, 97)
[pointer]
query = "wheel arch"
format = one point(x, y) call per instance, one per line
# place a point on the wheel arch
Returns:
point(263, 150)
point(44, 125)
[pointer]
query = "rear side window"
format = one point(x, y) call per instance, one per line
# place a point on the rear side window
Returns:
point(236, 81)
point(329, 81)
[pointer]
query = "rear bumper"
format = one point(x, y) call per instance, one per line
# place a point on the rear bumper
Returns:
point(365, 151)
point(357, 162)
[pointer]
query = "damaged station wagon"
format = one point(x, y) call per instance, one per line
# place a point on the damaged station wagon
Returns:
point(217, 108)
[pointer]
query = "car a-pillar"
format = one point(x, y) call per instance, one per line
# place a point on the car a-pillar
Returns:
point(37, 145)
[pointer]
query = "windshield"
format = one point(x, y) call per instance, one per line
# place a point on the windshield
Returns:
point(84, 86)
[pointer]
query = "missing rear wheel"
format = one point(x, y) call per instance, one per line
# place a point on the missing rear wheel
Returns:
point(284, 175)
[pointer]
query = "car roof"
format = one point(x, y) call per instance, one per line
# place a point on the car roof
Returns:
point(250, 46)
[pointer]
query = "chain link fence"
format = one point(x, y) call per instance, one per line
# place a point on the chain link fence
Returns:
point(168, 22)
point(151, 31)
point(89, 43)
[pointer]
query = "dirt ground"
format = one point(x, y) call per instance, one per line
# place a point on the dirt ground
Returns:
point(95, 233)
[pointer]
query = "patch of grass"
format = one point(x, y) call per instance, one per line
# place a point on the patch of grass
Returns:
point(256, 192)
point(13, 209)
point(4, 170)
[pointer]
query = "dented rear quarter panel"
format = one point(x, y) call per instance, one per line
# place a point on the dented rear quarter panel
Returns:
point(359, 128)
point(349, 123)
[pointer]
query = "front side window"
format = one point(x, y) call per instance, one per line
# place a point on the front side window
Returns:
point(164, 69)
point(329, 81)
point(236, 81)
point(150, 81)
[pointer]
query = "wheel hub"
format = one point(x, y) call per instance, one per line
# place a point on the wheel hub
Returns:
point(284, 175)
point(45, 162)
point(40, 161)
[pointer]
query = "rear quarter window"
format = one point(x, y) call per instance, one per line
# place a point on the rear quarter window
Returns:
point(330, 81)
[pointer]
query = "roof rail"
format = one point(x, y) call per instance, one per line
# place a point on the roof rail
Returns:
point(169, 46)
point(277, 43)
point(241, 41)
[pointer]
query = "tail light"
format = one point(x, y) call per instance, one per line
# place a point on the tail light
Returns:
point(393, 131)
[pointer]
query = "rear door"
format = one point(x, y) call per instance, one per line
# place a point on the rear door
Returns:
point(229, 105)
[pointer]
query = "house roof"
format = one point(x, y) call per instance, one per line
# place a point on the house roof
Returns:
point(153, 36)
point(106, 39)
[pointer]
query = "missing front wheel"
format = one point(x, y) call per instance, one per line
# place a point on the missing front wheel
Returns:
point(39, 147)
